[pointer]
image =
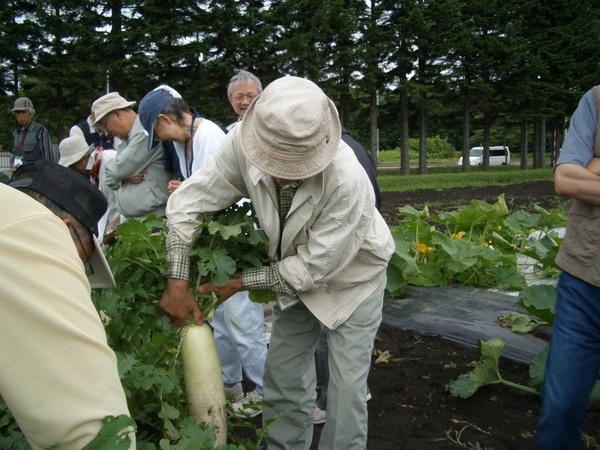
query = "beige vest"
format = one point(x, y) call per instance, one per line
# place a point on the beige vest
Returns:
point(580, 250)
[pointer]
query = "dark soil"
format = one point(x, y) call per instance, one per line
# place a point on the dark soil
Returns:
point(518, 196)
point(411, 408)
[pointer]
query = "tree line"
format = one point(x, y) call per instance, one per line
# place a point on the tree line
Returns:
point(477, 72)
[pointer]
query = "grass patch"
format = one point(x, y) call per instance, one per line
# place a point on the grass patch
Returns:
point(392, 181)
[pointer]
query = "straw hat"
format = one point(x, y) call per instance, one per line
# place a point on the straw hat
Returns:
point(292, 130)
point(108, 103)
point(72, 149)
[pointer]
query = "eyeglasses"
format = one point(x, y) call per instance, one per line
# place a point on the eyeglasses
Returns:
point(240, 97)
point(101, 125)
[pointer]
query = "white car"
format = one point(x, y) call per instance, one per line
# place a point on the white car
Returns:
point(499, 156)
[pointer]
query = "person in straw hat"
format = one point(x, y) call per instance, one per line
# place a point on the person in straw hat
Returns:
point(139, 176)
point(330, 248)
point(90, 161)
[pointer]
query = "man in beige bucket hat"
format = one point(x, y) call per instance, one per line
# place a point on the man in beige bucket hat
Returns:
point(75, 151)
point(137, 175)
point(330, 248)
point(76, 154)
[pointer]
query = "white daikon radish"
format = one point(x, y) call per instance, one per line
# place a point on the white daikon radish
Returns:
point(203, 378)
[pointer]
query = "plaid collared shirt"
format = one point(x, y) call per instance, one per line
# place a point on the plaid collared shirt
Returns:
point(178, 256)
point(266, 277)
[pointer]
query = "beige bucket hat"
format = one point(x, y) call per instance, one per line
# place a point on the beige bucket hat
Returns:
point(108, 103)
point(292, 130)
point(72, 149)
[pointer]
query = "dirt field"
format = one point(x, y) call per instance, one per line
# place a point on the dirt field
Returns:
point(410, 408)
point(518, 196)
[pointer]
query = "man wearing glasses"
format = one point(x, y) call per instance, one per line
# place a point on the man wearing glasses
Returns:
point(243, 88)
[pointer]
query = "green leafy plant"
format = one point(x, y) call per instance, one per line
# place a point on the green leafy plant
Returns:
point(475, 245)
point(485, 372)
point(227, 244)
point(520, 323)
point(147, 344)
point(520, 233)
point(539, 301)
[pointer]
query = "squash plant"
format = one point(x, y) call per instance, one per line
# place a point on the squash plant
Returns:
point(475, 245)
point(483, 245)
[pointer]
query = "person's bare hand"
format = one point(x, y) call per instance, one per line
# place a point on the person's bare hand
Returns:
point(232, 286)
point(173, 185)
point(178, 302)
point(136, 179)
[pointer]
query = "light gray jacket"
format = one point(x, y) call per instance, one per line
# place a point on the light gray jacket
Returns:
point(335, 246)
point(149, 196)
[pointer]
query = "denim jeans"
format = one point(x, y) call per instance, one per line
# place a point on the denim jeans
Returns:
point(572, 365)
point(238, 325)
point(322, 357)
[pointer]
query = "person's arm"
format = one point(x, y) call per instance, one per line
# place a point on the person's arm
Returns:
point(267, 277)
point(45, 144)
point(129, 161)
point(578, 182)
point(207, 191)
point(173, 185)
point(577, 174)
point(177, 300)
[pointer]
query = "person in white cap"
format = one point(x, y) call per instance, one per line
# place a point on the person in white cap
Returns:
point(139, 176)
point(76, 154)
point(58, 377)
point(330, 248)
point(31, 140)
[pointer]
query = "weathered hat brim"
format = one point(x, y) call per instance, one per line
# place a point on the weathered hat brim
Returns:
point(67, 161)
point(313, 164)
point(97, 269)
point(102, 113)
